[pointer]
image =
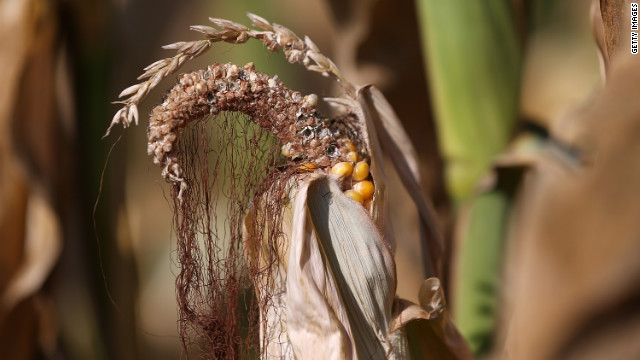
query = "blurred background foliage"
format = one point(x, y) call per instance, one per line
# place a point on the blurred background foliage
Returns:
point(530, 159)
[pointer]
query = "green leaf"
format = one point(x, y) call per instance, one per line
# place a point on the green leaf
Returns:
point(473, 60)
point(482, 227)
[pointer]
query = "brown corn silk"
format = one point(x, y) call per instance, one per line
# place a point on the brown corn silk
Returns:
point(223, 165)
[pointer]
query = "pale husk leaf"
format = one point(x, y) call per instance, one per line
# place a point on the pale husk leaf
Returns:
point(318, 325)
point(382, 120)
point(360, 261)
point(333, 292)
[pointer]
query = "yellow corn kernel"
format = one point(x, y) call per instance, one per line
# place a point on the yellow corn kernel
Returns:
point(349, 146)
point(352, 156)
point(361, 171)
point(354, 195)
point(364, 188)
point(342, 169)
point(307, 168)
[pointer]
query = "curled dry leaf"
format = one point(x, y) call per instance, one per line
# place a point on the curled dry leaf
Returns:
point(429, 330)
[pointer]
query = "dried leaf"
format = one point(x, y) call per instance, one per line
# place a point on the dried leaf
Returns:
point(574, 271)
point(430, 333)
point(366, 284)
point(43, 244)
point(398, 146)
point(317, 322)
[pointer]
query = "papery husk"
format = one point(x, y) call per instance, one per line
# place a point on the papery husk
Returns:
point(337, 289)
point(428, 328)
point(379, 207)
point(382, 120)
point(337, 302)
point(359, 259)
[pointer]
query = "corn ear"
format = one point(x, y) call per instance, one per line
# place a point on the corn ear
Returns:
point(334, 295)
point(334, 291)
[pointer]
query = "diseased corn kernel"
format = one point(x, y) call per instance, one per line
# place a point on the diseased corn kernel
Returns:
point(307, 168)
point(364, 188)
point(342, 169)
point(352, 156)
point(361, 171)
point(354, 195)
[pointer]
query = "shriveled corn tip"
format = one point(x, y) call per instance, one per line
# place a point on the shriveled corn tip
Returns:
point(307, 168)
point(364, 188)
point(354, 195)
point(342, 169)
point(361, 171)
point(352, 156)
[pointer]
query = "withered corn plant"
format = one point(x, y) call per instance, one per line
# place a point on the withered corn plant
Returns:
point(273, 196)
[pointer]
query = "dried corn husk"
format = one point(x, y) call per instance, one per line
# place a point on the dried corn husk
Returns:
point(339, 294)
